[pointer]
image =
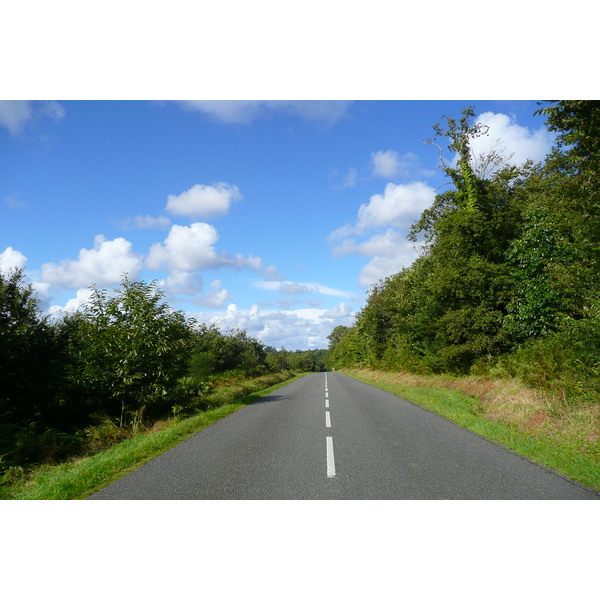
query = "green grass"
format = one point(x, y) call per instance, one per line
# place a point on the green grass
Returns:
point(465, 411)
point(79, 478)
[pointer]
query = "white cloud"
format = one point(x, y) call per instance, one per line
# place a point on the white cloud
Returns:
point(390, 252)
point(292, 287)
point(390, 164)
point(42, 292)
point(245, 111)
point(384, 244)
point(182, 282)
point(385, 164)
point(381, 267)
point(341, 311)
point(215, 297)
point(399, 206)
point(191, 248)
point(301, 328)
point(514, 143)
point(395, 210)
point(103, 265)
point(189, 283)
point(350, 179)
point(14, 114)
point(272, 274)
point(74, 304)
point(204, 201)
point(296, 288)
point(54, 110)
point(12, 259)
point(144, 222)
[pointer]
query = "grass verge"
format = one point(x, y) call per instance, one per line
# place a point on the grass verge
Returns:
point(557, 436)
point(81, 477)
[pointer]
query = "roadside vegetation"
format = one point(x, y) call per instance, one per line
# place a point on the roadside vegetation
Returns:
point(505, 293)
point(119, 369)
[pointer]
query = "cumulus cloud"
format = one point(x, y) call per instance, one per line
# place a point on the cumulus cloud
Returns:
point(381, 267)
point(216, 297)
point(341, 311)
point(394, 211)
point(514, 143)
point(182, 282)
point(519, 141)
point(204, 201)
point(12, 259)
point(74, 304)
point(390, 252)
point(144, 222)
point(384, 244)
point(42, 292)
point(299, 328)
point(15, 114)
point(191, 248)
point(390, 164)
point(102, 265)
point(326, 112)
point(398, 206)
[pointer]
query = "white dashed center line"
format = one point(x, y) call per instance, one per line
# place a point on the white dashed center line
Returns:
point(330, 460)
point(327, 419)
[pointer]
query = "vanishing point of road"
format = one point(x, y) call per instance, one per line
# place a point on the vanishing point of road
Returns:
point(328, 436)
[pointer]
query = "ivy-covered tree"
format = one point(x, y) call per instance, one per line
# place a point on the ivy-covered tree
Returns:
point(467, 233)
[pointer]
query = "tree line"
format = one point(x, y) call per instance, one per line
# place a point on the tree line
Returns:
point(125, 357)
point(507, 281)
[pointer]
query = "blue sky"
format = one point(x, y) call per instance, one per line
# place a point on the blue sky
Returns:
point(272, 216)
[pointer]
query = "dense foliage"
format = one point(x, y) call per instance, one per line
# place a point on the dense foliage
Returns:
point(509, 278)
point(124, 360)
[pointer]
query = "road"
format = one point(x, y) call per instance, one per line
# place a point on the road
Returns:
point(328, 436)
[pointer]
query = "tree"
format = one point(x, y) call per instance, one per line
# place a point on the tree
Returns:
point(578, 124)
point(337, 334)
point(467, 233)
point(555, 260)
point(128, 350)
point(27, 351)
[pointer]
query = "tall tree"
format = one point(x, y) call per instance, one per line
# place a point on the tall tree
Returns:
point(556, 258)
point(467, 233)
point(27, 349)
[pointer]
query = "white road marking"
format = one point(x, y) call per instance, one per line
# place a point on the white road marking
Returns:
point(330, 460)
point(327, 419)
point(326, 402)
point(326, 394)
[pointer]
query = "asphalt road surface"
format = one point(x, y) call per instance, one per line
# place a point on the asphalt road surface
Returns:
point(328, 436)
